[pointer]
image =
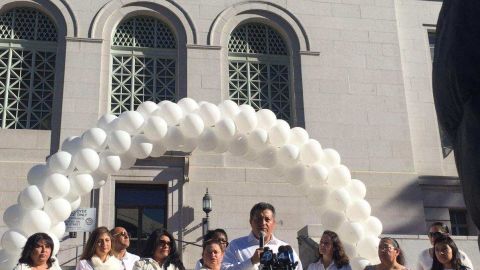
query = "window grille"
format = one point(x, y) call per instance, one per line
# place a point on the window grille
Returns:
point(458, 219)
point(259, 73)
point(27, 69)
point(143, 64)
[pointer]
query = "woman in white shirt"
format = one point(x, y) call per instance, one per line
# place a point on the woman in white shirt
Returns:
point(160, 253)
point(332, 255)
point(97, 254)
point(425, 260)
point(37, 253)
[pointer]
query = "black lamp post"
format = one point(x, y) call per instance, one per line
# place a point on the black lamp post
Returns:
point(207, 208)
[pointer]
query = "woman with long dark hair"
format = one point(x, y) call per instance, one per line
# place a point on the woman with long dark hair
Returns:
point(390, 255)
point(97, 253)
point(37, 253)
point(160, 253)
point(446, 255)
point(332, 255)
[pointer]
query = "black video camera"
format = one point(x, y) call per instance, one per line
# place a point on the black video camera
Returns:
point(283, 260)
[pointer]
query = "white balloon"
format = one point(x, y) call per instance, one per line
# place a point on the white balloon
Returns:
point(317, 174)
point(373, 226)
point(266, 119)
point(359, 210)
point(330, 157)
point(60, 162)
point(72, 144)
point(155, 128)
point(13, 241)
point(8, 260)
point(189, 145)
point(251, 154)
point(31, 198)
point(119, 141)
point(351, 232)
point(12, 216)
point(311, 151)
point(171, 112)
point(127, 161)
point(277, 170)
point(58, 210)
point(318, 195)
point(56, 185)
point(268, 157)
point(105, 121)
point(357, 189)
point(229, 108)
point(86, 160)
point(147, 108)
point(58, 229)
point(208, 140)
point(99, 179)
point(258, 139)
point(81, 183)
point(209, 113)
point(109, 162)
point(332, 220)
point(246, 120)
point(238, 145)
point(368, 246)
point(359, 263)
point(339, 199)
point(298, 136)
point(131, 122)
point(350, 249)
point(339, 176)
point(288, 155)
point(188, 105)
point(279, 134)
point(141, 146)
point(94, 138)
point(36, 175)
point(74, 201)
point(222, 146)
point(225, 128)
point(174, 138)
point(35, 221)
point(158, 149)
point(192, 125)
point(56, 243)
point(297, 174)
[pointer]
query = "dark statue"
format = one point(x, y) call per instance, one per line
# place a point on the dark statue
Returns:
point(456, 91)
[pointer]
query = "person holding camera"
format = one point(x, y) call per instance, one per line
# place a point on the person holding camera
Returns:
point(244, 253)
point(436, 230)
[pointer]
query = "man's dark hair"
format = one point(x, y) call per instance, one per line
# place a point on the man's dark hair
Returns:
point(442, 226)
point(260, 207)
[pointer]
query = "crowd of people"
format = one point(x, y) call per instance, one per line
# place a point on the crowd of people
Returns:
point(107, 250)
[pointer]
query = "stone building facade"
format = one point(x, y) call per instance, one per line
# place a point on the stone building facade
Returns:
point(356, 74)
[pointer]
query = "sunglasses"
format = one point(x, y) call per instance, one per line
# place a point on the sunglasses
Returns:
point(123, 234)
point(436, 234)
point(163, 243)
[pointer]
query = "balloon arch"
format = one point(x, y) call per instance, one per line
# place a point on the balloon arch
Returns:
point(85, 162)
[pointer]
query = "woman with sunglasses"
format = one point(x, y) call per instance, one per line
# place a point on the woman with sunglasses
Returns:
point(219, 235)
point(332, 255)
point(160, 253)
point(97, 254)
point(447, 255)
point(390, 255)
point(425, 260)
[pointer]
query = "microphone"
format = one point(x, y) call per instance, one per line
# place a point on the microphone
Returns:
point(261, 239)
point(290, 256)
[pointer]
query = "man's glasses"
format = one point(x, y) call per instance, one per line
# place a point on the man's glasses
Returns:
point(124, 234)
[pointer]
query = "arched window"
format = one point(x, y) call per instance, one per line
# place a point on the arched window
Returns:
point(144, 53)
point(28, 45)
point(259, 69)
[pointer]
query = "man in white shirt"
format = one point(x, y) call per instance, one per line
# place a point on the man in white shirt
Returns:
point(121, 241)
point(244, 253)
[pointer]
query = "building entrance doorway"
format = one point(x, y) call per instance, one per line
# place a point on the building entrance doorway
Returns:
point(140, 209)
